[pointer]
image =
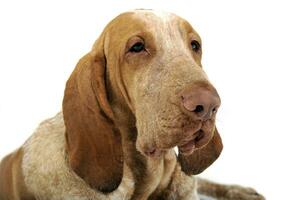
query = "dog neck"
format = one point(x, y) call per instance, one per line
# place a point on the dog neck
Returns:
point(150, 174)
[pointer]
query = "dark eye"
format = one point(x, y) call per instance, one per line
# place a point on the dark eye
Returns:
point(137, 47)
point(195, 45)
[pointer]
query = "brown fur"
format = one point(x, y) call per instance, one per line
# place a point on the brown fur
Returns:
point(119, 106)
point(91, 137)
point(12, 184)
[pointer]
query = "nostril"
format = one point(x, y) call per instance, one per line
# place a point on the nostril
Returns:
point(198, 109)
point(214, 110)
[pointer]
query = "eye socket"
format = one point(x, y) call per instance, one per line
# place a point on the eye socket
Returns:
point(195, 45)
point(137, 47)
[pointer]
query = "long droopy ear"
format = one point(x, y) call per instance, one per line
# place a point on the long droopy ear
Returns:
point(202, 158)
point(93, 144)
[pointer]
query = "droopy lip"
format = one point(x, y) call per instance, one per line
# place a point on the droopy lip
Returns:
point(188, 146)
point(199, 140)
point(197, 137)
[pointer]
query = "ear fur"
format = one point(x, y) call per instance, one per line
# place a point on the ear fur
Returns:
point(93, 143)
point(202, 158)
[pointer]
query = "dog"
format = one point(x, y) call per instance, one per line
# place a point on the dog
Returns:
point(140, 92)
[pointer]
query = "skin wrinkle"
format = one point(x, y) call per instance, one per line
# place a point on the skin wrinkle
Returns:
point(124, 90)
point(121, 85)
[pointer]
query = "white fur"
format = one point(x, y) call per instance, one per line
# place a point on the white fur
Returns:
point(203, 197)
point(163, 24)
point(47, 174)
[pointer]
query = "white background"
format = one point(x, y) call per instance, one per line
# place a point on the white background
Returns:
point(251, 54)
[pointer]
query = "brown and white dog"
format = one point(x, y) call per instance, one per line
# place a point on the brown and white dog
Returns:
point(140, 92)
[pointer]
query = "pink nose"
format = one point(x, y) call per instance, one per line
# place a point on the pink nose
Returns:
point(201, 102)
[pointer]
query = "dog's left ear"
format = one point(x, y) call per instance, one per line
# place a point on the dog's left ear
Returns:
point(202, 158)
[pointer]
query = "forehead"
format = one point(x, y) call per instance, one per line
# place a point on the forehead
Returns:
point(152, 16)
point(150, 21)
point(162, 21)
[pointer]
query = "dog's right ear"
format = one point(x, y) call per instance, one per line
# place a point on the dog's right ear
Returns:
point(93, 143)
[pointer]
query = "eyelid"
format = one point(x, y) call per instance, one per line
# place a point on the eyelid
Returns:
point(135, 40)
